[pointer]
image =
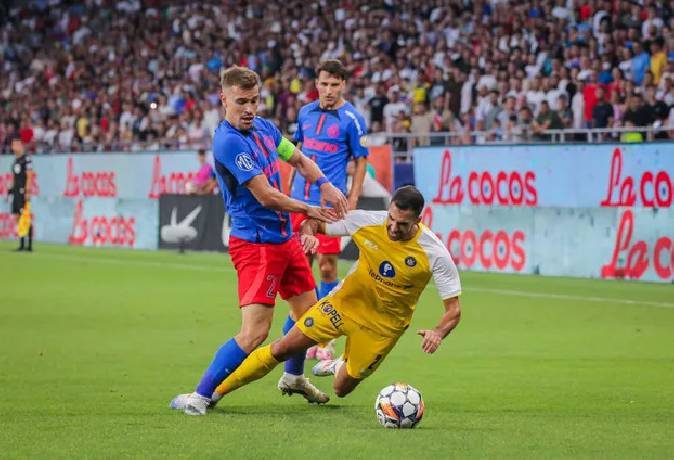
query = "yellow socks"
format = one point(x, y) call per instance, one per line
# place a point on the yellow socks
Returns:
point(258, 364)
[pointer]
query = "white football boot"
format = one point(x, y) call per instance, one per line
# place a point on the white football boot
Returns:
point(180, 401)
point(327, 367)
point(196, 404)
point(298, 384)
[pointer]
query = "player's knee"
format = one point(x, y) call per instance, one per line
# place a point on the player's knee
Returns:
point(250, 340)
point(341, 390)
point(280, 350)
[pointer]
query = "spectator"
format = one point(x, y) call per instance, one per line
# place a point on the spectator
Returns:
point(114, 83)
point(400, 143)
point(443, 121)
point(376, 105)
point(602, 113)
point(639, 63)
point(590, 98)
point(546, 119)
point(421, 124)
point(394, 108)
point(564, 112)
point(521, 130)
point(658, 59)
point(637, 114)
point(204, 181)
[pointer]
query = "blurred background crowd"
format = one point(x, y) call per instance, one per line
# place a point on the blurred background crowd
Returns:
point(135, 75)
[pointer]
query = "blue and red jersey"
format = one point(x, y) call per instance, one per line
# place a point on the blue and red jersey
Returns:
point(330, 138)
point(239, 156)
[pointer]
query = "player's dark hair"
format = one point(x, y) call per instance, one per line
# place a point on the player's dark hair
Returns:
point(201, 152)
point(409, 198)
point(239, 76)
point(333, 67)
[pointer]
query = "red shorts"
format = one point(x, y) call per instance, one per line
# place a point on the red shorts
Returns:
point(326, 244)
point(267, 269)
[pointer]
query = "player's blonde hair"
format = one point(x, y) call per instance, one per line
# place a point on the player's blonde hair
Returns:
point(239, 76)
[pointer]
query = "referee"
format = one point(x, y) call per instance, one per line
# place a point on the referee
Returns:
point(20, 189)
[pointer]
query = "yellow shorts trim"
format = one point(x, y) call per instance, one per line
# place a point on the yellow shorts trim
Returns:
point(365, 349)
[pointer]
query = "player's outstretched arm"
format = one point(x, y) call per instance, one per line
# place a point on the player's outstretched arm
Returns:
point(312, 173)
point(432, 338)
point(271, 198)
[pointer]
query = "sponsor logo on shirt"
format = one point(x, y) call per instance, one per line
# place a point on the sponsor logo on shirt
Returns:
point(314, 144)
point(386, 269)
point(370, 245)
point(335, 318)
point(410, 261)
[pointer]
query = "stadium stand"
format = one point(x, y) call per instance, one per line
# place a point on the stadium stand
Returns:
point(131, 75)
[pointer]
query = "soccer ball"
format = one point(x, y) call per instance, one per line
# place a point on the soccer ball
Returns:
point(399, 406)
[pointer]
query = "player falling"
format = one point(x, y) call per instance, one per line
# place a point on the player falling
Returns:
point(374, 304)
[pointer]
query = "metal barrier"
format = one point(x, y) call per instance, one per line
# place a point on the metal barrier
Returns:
point(404, 143)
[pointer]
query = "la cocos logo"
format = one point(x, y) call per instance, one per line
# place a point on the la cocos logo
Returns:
point(386, 269)
point(244, 162)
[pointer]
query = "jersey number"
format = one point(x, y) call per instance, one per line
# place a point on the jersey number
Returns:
point(271, 292)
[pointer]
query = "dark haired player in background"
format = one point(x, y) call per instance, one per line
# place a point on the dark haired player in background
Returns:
point(331, 132)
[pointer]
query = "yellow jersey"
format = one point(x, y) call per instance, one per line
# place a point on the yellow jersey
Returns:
point(381, 290)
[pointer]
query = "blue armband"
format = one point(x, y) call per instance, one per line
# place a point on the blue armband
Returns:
point(321, 180)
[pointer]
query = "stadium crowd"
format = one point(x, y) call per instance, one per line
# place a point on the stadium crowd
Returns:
point(132, 74)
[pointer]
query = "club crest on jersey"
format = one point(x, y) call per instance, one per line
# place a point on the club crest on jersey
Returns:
point(308, 322)
point(386, 269)
point(333, 130)
point(244, 162)
point(410, 261)
point(326, 307)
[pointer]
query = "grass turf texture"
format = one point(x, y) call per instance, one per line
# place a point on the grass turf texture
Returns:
point(96, 342)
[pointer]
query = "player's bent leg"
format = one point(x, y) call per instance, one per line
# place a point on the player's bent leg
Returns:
point(299, 304)
point(292, 343)
point(264, 359)
point(327, 263)
point(255, 323)
point(292, 346)
point(344, 383)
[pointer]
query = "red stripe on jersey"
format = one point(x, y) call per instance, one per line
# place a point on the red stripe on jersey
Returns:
point(321, 120)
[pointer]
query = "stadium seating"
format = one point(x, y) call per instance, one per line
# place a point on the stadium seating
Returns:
point(132, 74)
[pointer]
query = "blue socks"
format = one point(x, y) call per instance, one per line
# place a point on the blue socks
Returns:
point(295, 364)
point(325, 288)
point(226, 360)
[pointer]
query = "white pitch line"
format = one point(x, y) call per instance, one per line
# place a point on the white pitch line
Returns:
point(142, 263)
point(542, 295)
point(227, 269)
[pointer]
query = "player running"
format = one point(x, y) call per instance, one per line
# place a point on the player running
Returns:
point(375, 302)
point(331, 133)
point(268, 260)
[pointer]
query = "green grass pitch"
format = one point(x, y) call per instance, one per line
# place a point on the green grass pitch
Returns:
point(95, 343)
